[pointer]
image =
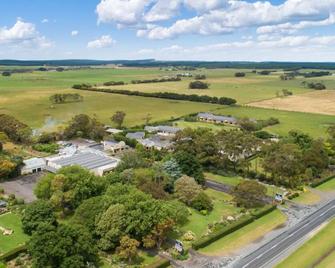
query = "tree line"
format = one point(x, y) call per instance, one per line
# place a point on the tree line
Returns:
point(162, 95)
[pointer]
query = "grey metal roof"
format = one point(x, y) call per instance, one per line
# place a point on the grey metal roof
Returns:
point(167, 129)
point(221, 118)
point(87, 160)
point(135, 135)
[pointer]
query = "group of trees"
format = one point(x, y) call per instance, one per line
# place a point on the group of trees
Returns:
point(198, 85)
point(118, 212)
point(114, 83)
point(239, 74)
point(14, 129)
point(314, 85)
point(83, 126)
point(248, 124)
point(295, 160)
point(65, 98)
point(167, 95)
point(6, 73)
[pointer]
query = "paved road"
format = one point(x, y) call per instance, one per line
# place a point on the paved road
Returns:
point(271, 251)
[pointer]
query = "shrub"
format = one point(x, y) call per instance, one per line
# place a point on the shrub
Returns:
point(6, 73)
point(198, 85)
point(51, 148)
point(202, 202)
point(239, 74)
point(114, 83)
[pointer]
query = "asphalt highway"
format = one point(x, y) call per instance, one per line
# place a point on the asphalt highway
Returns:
point(265, 255)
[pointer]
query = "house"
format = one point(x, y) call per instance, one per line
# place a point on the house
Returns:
point(3, 204)
point(156, 142)
point(114, 146)
point(162, 130)
point(97, 162)
point(33, 165)
point(136, 135)
point(217, 119)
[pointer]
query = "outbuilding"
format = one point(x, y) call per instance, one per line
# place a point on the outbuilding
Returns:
point(33, 165)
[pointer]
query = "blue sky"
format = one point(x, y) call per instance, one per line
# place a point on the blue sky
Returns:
point(283, 30)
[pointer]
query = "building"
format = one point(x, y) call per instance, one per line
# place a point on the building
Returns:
point(95, 161)
point(114, 146)
point(156, 142)
point(136, 135)
point(217, 119)
point(162, 130)
point(113, 130)
point(33, 165)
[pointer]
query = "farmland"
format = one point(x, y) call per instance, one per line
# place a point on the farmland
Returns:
point(26, 96)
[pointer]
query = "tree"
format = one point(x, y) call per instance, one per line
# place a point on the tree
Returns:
point(69, 187)
point(202, 202)
point(62, 247)
point(84, 126)
point(284, 162)
point(118, 118)
point(186, 189)
point(5, 73)
point(111, 227)
point(239, 74)
point(198, 85)
point(190, 166)
point(14, 129)
point(249, 194)
point(132, 159)
point(236, 146)
point(159, 234)
point(304, 141)
point(37, 213)
point(316, 157)
point(128, 248)
point(6, 168)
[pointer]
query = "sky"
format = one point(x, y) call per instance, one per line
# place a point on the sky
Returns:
point(213, 30)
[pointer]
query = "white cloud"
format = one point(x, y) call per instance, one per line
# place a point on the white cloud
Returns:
point(103, 42)
point(215, 16)
point(290, 28)
point(121, 11)
point(23, 34)
point(74, 33)
point(45, 21)
point(163, 10)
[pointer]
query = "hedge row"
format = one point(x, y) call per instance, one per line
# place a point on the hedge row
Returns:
point(318, 183)
point(12, 254)
point(163, 95)
point(162, 263)
point(203, 242)
point(161, 80)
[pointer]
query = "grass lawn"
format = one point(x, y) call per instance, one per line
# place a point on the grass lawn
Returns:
point(246, 235)
point(328, 262)
point(307, 198)
point(229, 180)
point(198, 223)
point(313, 124)
point(327, 186)
point(313, 250)
point(13, 222)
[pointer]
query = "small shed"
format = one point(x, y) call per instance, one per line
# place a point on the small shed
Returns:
point(33, 165)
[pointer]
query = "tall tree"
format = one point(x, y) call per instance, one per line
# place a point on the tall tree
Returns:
point(118, 118)
point(250, 194)
point(128, 248)
point(186, 189)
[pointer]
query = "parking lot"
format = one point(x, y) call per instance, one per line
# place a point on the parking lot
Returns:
point(23, 186)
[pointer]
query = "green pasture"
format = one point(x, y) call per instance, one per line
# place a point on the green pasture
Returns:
point(314, 252)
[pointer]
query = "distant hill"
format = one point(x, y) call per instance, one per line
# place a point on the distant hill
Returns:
point(154, 63)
